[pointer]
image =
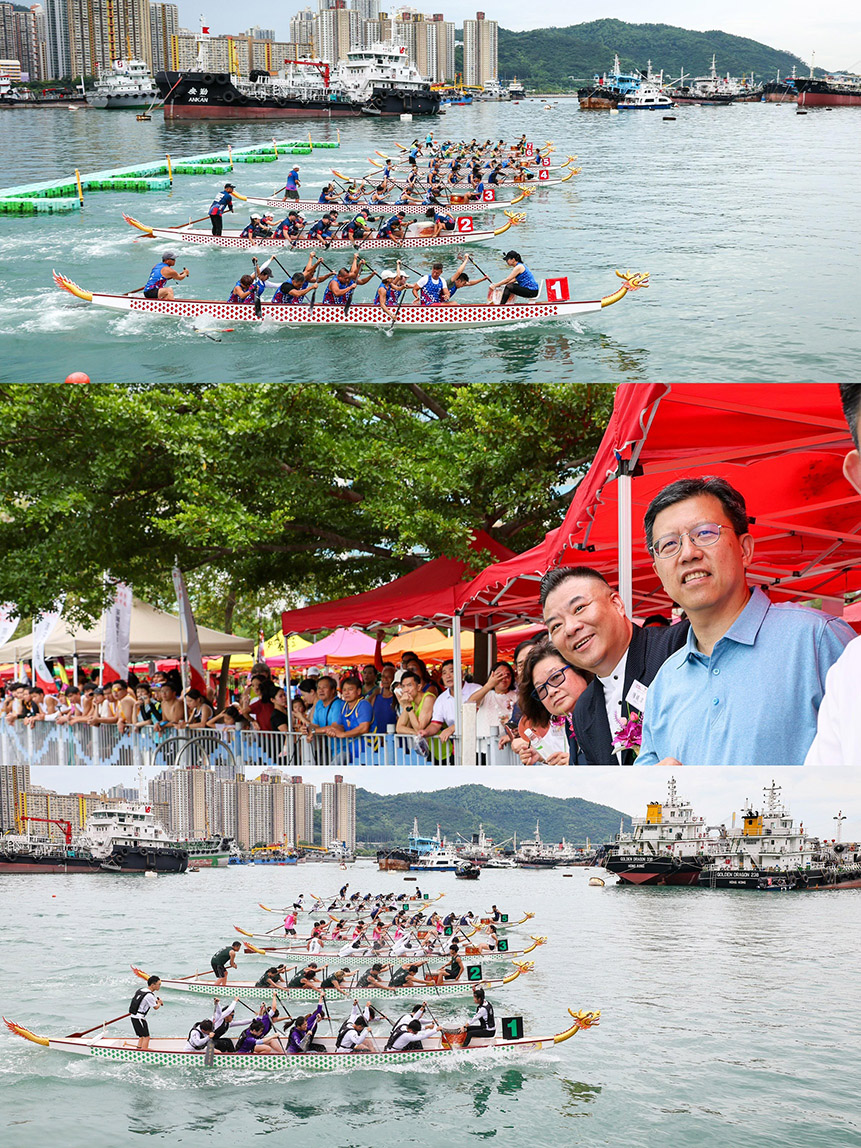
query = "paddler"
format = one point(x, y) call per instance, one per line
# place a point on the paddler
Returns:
point(302, 1035)
point(306, 978)
point(355, 1036)
point(328, 194)
point(460, 279)
point(354, 193)
point(393, 227)
point(407, 976)
point(519, 282)
point(378, 195)
point(260, 227)
point(143, 1002)
point(291, 188)
point(273, 978)
point(391, 288)
point(324, 227)
point(244, 290)
point(296, 290)
point(431, 289)
point(335, 981)
point(442, 221)
point(222, 202)
point(412, 1038)
point(453, 971)
point(291, 227)
point(223, 960)
point(157, 286)
point(483, 1023)
point(358, 227)
point(372, 978)
point(340, 288)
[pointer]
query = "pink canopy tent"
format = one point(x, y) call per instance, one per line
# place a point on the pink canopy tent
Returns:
point(343, 647)
point(781, 445)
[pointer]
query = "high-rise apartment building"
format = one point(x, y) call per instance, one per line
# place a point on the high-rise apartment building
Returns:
point(258, 33)
point(366, 9)
point(303, 27)
point(14, 779)
point(20, 40)
point(480, 65)
point(101, 31)
point(57, 53)
point(164, 23)
point(339, 813)
point(337, 32)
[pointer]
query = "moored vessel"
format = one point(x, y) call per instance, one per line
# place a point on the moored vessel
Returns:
point(128, 84)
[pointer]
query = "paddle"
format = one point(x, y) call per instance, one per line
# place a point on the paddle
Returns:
point(314, 292)
point(103, 1024)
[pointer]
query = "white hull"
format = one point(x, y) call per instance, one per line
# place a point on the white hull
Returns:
point(310, 206)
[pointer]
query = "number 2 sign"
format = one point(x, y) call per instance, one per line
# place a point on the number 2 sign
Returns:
point(557, 290)
point(465, 223)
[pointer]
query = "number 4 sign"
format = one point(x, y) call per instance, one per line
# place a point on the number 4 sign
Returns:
point(464, 223)
point(557, 290)
point(544, 173)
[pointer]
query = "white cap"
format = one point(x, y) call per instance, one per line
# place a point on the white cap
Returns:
point(389, 275)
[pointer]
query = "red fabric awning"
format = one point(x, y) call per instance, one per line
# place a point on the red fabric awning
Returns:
point(431, 593)
point(781, 445)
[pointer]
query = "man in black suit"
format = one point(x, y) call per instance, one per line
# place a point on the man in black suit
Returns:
point(585, 618)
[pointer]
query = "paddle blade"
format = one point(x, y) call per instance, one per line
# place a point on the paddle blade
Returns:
point(209, 1055)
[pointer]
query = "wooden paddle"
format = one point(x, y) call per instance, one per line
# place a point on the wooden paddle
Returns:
point(103, 1024)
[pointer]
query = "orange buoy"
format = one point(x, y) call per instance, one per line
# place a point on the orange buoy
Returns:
point(77, 377)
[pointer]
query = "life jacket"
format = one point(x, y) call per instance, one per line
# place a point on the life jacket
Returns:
point(197, 1029)
point(398, 978)
point(489, 1025)
point(135, 1002)
point(397, 1031)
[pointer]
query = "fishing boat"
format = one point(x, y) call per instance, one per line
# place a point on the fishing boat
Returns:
point(417, 235)
point(457, 204)
point(329, 316)
point(169, 1052)
point(467, 871)
point(503, 951)
point(203, 984)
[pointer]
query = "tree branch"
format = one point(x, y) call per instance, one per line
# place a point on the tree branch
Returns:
point(426, 400)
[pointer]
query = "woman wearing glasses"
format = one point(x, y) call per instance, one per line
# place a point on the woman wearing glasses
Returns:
point(548, 692)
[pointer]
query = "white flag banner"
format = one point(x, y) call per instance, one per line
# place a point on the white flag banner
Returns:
point(8, 621)
point(194, 658)
point(118, 624)
point(42, 629)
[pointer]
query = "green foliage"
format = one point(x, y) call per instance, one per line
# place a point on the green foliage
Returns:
point(546, 58)
point(274, 493)
point(388, 818)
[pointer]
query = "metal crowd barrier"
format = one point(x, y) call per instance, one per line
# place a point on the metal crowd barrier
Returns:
point(230, 750)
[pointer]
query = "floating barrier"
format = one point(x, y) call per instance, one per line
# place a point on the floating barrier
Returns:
point(64, 195)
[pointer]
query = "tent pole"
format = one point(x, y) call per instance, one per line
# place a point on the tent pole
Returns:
point(287, 689)
point(458, 679)
point(626, 558)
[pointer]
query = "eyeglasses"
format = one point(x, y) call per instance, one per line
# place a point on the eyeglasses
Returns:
point(551, 682)
point(706, 534)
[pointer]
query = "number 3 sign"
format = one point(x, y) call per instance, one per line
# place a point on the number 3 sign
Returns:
point(464, 223)
point(489, 195)
point(557, 290)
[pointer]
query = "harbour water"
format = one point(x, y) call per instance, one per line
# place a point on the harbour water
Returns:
point(726, 1018)
point(744, 216)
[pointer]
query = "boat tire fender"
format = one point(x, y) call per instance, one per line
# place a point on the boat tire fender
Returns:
point(229, 97)
point(208, 78)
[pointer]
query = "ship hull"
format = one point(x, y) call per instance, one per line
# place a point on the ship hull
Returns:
point(653, 871)
point(123, 859)
point(826, 99)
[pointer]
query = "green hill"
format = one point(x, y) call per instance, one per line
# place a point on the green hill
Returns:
point(388, 818)
point(548, 57)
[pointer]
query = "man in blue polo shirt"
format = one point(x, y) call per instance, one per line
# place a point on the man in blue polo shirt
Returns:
point(325, 720)
point(746, 686)
point(357, 715)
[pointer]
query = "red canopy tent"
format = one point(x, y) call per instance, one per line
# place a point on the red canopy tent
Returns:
point(430, 594)
point(781, 445)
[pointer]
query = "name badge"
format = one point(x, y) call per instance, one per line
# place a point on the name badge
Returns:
point(636, 696)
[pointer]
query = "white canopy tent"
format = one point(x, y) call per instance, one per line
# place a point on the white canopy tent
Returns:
point(154, 634)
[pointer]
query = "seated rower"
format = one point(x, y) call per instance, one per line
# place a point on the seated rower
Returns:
point(247, 290)
point(460, 279)
point(519, 282)
point(372, 978)
point(335, 981)
point(356, 1036)
point(354, 193)
point(407, 976)
point(391, 288)
point(394, 227)
point(291, 227)
point(259, 227)
point(302, 1035)
point(431, 289)
point(157, 286)
point(355, 948)
point(358, 227)
point(442, 221)
point(305, 978)
point(273, 978)
point(296, 290)
point(340, 288)
point(411, 1038)
point(379, 194)
point(324, 227)
point(483, 1023)
point(328, 194)
point(453, 971)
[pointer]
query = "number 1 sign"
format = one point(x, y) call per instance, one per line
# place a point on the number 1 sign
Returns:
point(557, 290)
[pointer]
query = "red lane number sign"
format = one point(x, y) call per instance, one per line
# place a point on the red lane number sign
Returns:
point(464, 223)
point(557, 290)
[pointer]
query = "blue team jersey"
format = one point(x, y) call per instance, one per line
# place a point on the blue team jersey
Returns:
point(156, 277)
point(221, 203)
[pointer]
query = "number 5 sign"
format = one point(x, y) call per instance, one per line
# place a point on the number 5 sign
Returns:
point(544, 161)
point(557, 290)
point(464, 223)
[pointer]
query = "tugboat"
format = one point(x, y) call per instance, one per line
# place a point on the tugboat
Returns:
point(534, 854)
point(379, 79)
point(605, 91)
point(127, 85)
point(123, 839)
point(771, 855)
point(666, 847)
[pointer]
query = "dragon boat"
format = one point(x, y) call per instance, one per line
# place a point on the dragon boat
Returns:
point(411, 317)
point(417, 235)
point(457, 203)
point(541, 177)
point(362, 908)
point(169, 1052)
point(502, 952)
point(203, 984)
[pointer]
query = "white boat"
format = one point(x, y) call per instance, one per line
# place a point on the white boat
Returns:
point(648, 97)
point(500, 863)
point(129, 84)
point(441, 860)
point(170, 1052)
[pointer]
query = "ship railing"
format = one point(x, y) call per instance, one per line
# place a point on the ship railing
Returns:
point(231, 751)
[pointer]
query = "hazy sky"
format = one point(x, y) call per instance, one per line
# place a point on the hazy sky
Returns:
point(832, 31)
point(813, 797)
